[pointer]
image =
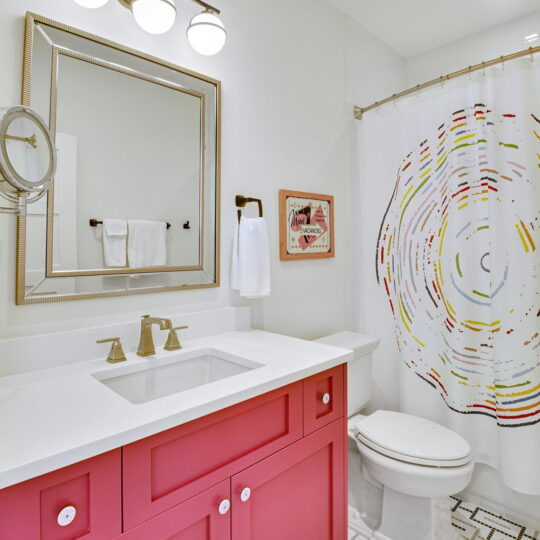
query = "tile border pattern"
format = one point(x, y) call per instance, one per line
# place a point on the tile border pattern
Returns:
point(477, 523)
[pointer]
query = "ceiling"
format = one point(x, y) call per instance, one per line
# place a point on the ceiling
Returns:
point(415, 26)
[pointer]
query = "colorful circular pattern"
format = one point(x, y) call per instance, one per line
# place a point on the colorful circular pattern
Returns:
point(457, 256)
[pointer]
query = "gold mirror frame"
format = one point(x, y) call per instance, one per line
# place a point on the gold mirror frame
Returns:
point(21, 297)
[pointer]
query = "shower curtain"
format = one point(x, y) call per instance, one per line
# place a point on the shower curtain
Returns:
point(454, 223)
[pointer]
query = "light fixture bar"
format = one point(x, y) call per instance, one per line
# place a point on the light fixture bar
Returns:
point(127, 4)
point(207, 6)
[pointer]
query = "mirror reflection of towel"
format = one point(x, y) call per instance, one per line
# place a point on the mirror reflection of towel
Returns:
point(250, 272)
point(114, 242)
point(146, 243)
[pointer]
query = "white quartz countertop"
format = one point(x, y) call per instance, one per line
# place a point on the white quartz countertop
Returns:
point(54, 417)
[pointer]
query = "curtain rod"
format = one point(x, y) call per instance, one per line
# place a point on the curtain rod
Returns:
point(359, 111)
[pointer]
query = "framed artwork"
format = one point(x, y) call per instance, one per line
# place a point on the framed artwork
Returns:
point(306, 225)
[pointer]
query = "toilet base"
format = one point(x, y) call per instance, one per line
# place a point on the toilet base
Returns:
point(405, 517)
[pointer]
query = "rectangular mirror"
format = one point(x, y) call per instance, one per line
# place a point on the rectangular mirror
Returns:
point(134, 206)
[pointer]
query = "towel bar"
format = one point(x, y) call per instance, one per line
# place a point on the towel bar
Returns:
point(95, 222)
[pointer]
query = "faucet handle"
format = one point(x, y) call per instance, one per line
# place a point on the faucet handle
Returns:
point(173, 343)
point(116, 354)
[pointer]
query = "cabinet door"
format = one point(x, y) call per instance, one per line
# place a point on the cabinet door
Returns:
point(324, 398)
point(82, 501)
point(296, 494)
point(206, 516)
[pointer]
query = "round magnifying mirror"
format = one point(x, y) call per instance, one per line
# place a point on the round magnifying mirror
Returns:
point(27, 154)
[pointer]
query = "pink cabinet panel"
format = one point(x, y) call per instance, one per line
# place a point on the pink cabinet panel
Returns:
point(80, 501)
point(206, 516)
point(324, 398)
point(295, 494)
point(166, 469)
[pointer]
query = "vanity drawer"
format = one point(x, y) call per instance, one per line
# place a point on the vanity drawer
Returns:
point(166, 469)
point(82, 501)
point(324, 398)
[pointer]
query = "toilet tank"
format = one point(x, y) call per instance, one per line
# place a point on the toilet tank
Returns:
point(358, 369)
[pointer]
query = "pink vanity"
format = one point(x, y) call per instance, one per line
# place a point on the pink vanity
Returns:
point(272, 467)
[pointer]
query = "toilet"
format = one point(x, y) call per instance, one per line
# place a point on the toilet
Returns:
point(412, 459)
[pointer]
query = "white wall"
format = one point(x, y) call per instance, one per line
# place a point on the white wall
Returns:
point(486, 45)
point(374, 69)
point(285, 123)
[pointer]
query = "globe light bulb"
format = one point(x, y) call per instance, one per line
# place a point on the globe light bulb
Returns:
point(206, 33)
point(154, 16)
point(91, 3)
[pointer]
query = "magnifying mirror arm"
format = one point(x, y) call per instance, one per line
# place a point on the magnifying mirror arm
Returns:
point(32, 141)
point(18, 210)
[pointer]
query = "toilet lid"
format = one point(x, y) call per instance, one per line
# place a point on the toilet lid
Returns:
point(413, 439)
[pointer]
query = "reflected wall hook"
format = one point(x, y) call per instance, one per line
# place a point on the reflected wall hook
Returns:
point(186, 225)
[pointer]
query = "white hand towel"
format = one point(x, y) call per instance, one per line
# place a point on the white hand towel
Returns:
point(114, 236)
point(250, 269)
point(147, 243)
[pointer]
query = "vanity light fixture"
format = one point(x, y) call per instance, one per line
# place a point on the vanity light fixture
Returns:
point(153, 16)
point(205, 32)
point(91, 3)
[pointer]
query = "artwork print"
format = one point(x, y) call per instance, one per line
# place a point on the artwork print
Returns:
point(306, 225)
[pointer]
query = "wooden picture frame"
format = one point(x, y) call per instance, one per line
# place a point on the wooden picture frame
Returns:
point(299, 213)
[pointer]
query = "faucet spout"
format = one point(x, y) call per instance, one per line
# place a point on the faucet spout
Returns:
point(146, 341)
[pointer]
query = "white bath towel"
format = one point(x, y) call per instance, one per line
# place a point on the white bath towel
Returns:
point(114, 236)
point(147, 243)
point(250, 269)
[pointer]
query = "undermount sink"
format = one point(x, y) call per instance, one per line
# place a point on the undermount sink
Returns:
point(159, 377)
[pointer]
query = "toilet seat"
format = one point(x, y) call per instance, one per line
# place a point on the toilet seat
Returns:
point(411, 439)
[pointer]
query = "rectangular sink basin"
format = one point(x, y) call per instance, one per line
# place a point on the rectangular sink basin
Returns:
point(161, 377)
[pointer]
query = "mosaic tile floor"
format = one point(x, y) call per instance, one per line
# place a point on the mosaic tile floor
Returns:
point(476, 523)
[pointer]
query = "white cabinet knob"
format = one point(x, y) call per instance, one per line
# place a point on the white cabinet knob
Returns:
point(245, 495)
point(224, 506)
point(66, 516)
point(326, 398)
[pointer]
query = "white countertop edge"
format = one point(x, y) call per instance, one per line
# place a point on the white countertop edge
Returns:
point(70, 456)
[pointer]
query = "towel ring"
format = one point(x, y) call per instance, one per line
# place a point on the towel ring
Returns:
point(241, 202)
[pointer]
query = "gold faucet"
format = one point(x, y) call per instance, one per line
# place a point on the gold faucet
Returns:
point(146, 342)
point(173, 343)
point(116, 354)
